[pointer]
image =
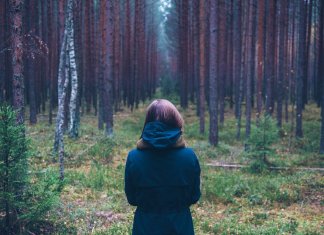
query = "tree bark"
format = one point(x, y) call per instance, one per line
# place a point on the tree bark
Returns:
point(74, 124)
point(237, 34)
point(321, 73)
point(213, 85)
point(17, 59)
point(281, 61)
point(260, 55)
point(270, 55)
point(202, 65)
point(300, 68)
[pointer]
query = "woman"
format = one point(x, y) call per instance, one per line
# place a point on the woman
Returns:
point(162, 176)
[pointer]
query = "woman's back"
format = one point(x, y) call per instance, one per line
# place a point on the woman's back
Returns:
point(162, 176)
point(165, 180)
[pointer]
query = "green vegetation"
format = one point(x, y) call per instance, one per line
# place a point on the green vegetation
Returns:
point(233, 201)
point(26, 194)
point(260, 143)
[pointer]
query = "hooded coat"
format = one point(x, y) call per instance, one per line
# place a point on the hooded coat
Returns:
point(162, 178)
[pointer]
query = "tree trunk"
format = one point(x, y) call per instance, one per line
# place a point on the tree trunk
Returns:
point(63, 80)
point(202, 68)
point(17, 59)
point(321, 73)
point(300, 68)
point(270, 55)
point(222, 33)
point(108, 71)
point(281, 61)
point(213, 85)
point(250, 46)
point(61, 89)
point(260, 55)
point(237, 34)
point(73, 125)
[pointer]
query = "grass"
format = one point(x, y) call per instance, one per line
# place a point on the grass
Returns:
point(233, 201)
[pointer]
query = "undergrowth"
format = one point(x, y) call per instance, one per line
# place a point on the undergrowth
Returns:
point(233, 201)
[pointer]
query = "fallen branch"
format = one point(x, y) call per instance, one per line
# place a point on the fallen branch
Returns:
point(238, 166)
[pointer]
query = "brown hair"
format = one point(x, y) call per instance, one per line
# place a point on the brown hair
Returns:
point(164, 111)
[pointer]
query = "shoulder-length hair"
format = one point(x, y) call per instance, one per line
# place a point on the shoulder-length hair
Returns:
point(164, 111)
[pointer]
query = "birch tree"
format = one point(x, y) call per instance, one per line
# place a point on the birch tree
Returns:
point(74, 124)
point(67, 69)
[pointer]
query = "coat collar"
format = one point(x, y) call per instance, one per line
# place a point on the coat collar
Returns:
point(141, 144)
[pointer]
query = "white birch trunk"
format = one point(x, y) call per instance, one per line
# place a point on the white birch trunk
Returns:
point(73, 125)
point(61, 115)
point(60, 88)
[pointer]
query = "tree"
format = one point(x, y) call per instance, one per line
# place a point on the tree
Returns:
point(260, 55)
point(269, 69)
point(202, 64)
point(17, 58)
point(321, 74)
point(107, 65)
point(301, 67)
point(250, 55)
point(67, 69)
point(213, 83)
point(281, 60)
point(13, 167)
point(74, 122)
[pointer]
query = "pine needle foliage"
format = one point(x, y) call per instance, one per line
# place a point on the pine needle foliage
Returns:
point(13, 168)
point(260, 143)
point(24, 198)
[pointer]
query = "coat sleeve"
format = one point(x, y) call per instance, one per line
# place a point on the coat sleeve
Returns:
point(130, 189)
point(196, 182)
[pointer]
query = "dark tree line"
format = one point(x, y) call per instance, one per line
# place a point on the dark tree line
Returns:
point(254, 56)
point(115, 49)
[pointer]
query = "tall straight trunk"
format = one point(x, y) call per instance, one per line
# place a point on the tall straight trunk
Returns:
point(86, 57)
point(63, 81)
point(196, 51)
point(270, 55)
point(286, 67)
point(73, 125)
point(202, 64)
point(2, 54)
point(127, 53)
point(243, 60)
point(230, 43)
point(108, 71)
point(260, 55)
point(17, 59)
point(281, 61)
point(250, 54)
point(61, 111)
point(308, 25)
point(321, 73)
point(102, 58)
point(237, 37)
point(32, 97)
point(117, 53)
point(50, 60)
point(222, 58)
point(301, 68)
point(213, 85)
point(31, 70)
point(183, 41)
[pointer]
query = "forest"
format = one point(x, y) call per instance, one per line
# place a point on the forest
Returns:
point(76, 77)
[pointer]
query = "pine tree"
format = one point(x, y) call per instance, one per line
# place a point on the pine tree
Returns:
point(13, 168)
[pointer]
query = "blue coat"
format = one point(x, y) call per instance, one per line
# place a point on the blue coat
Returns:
point(162, 178)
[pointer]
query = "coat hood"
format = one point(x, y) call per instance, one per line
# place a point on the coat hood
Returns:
point(160, 135)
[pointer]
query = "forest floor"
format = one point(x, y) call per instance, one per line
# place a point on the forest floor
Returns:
point(234, 201)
